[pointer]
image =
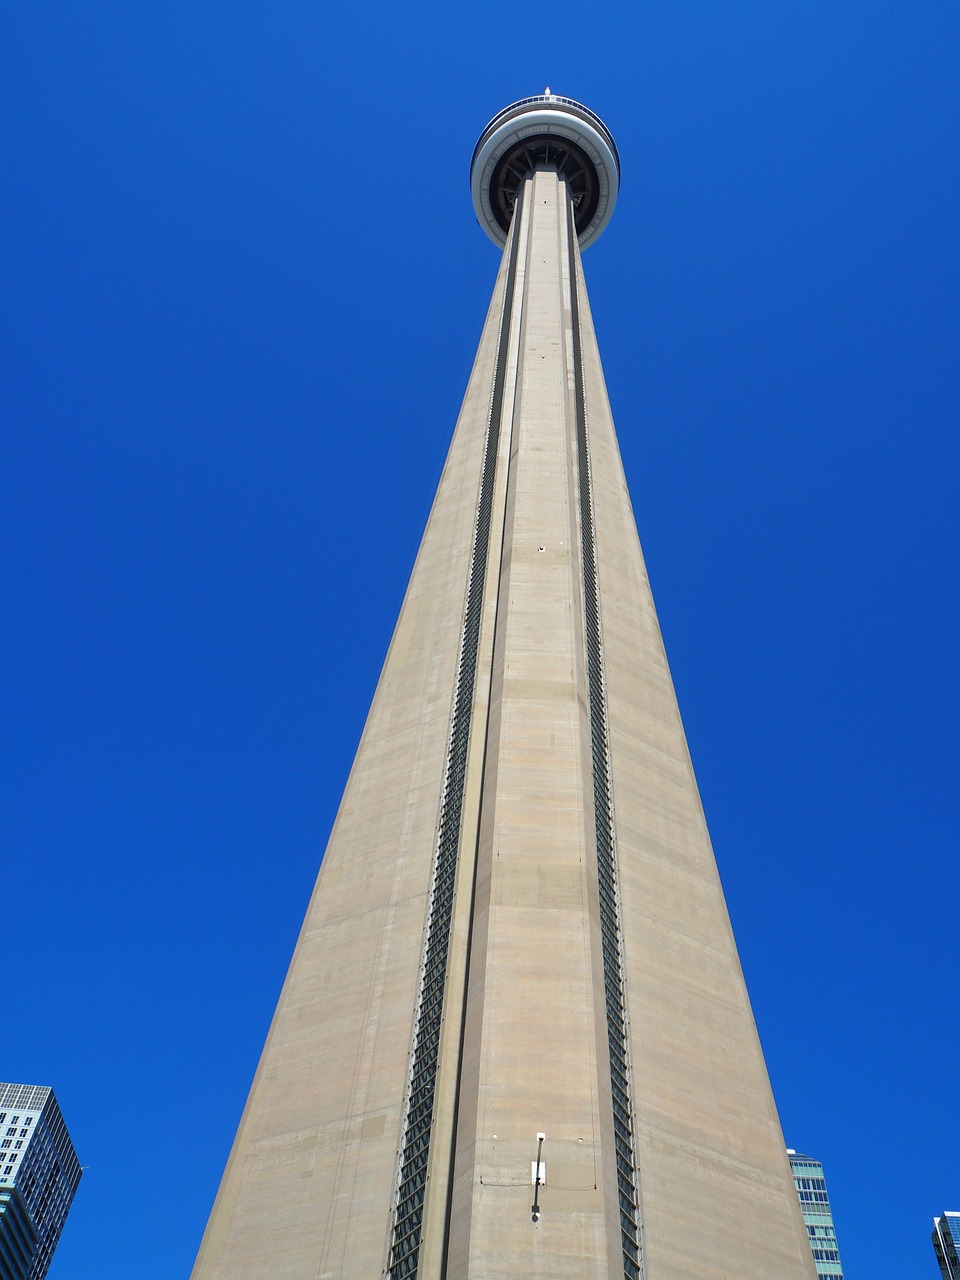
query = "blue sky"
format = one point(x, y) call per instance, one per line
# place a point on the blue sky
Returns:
point(243, 285)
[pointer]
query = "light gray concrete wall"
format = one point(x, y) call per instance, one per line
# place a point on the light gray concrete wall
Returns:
point(309, 1184)
point(717, 1193)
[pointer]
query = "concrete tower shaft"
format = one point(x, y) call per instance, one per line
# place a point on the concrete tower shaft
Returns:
point(514, 1040)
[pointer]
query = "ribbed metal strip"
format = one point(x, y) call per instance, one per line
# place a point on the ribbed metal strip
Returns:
point(610, 932)
point(421, 1085)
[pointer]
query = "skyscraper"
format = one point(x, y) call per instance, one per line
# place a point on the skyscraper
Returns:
point(514, 1039)
point(39, 1176)
point(946, 1244)
point(817, 1214)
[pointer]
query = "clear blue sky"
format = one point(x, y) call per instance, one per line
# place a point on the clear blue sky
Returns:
point(242, 286)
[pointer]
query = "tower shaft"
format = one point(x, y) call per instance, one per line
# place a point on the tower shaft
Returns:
point(535, 1011)
point(518, 927)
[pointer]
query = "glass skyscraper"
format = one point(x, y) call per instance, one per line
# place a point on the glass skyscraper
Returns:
point(39, 1175)
point(946, 1244)
point(818, 1219)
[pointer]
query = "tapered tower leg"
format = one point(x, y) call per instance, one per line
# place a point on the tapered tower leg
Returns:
point(310, 1185)
point(715, 1185)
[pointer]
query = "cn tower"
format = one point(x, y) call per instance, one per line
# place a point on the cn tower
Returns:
point(514, 1040)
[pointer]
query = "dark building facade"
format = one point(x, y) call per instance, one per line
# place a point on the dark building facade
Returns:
point(946, 1244)
point(39, 1176)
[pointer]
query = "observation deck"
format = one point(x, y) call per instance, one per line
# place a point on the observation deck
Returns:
point(545, 130)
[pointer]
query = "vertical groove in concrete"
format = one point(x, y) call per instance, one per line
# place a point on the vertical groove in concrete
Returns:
point(608, 893)
point(430, 1011)
point(715, 1183)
